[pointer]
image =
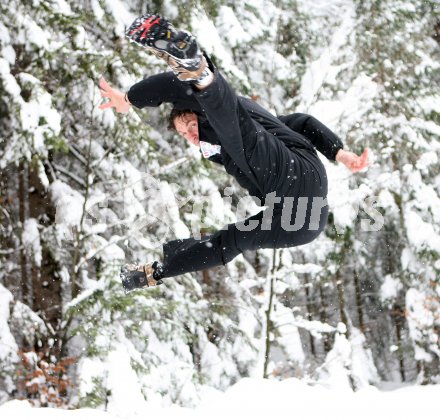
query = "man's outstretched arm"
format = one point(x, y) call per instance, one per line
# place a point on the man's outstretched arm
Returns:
point(322, 138)
point(150, 92)
point(325, 141)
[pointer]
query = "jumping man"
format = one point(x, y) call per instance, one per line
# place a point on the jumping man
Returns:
point(273, 158)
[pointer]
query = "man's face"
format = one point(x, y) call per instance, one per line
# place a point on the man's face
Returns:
point(188, 127)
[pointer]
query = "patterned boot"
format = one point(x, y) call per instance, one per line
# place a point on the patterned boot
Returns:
point(140, 276)
point(177, 48)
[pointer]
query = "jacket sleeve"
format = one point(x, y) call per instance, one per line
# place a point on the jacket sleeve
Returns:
point(324, 140)
point(160, 88)
point(216, 159)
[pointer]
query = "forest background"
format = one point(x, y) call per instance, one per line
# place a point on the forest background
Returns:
point(82, 191)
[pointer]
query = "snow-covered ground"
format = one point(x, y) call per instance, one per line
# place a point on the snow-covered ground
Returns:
point(260, 398)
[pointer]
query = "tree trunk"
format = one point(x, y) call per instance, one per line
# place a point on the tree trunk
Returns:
point(323, 317)
point(269, 324)
point(359, 306)
point(79, 236)
point(397, 314)
point(26, 288)
point(309, 308)
point(342, 304)
point(340, 286)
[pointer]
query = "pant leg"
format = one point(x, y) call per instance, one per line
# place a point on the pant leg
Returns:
point(282, 228)
point(188, 255)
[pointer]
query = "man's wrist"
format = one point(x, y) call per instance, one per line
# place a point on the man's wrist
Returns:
point(339, 154)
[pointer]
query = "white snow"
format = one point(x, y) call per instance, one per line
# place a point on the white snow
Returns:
point(290, 339)
point(169, 201)
point(8, 346)
point(420, 233)
point(38, 109)
point(31, 240)
point(4, 34)
point(63, 7)
point(262, 398)
point(321, 69)
point(211, 41)
point(68, 202)
point(229, 24)
point(31, 33)
point(97, 9)
point(390, 288)
point(120, 13)
point(9, 54)
point(421, 318)
point(126, 398)
point(9, 83)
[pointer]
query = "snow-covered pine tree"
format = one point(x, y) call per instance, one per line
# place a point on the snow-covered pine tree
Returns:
point(367, 69)
point(396, 47)
point(366, 76)
point(98, 175)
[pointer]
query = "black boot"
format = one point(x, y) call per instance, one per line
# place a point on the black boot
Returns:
point(177, 48)
point(140, 276)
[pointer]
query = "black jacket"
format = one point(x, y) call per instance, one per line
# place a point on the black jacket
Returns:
point(166, 88)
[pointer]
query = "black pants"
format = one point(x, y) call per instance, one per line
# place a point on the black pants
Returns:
point(295, 179)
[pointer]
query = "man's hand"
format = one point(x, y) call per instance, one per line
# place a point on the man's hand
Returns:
point(117, 98)
point(352, 161)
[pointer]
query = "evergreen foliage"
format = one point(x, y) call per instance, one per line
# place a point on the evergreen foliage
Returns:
point(83, 190)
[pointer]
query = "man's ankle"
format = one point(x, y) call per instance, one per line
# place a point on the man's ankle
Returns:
point(207, 78)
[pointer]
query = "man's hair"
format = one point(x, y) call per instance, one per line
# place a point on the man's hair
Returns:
point(176, 113)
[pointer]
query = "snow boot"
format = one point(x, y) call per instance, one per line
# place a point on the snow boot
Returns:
point(140, 276)
point(177, 48)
